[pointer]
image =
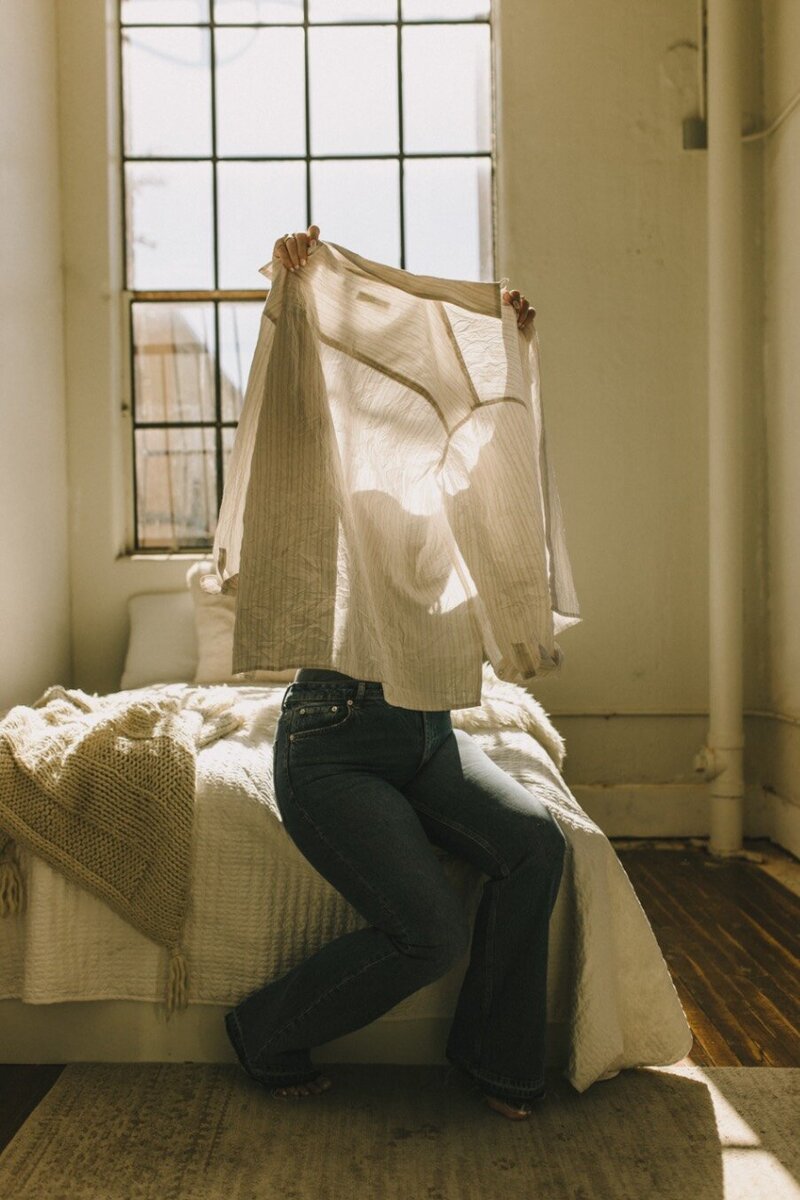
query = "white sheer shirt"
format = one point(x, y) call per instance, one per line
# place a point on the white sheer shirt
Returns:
point(389, 508)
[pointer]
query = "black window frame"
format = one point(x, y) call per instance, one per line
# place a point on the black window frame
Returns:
point(216, 295)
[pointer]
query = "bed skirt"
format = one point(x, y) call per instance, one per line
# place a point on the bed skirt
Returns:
point(137, 1031)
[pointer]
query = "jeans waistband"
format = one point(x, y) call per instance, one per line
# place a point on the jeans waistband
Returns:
point(333, 689)
point(306, 674)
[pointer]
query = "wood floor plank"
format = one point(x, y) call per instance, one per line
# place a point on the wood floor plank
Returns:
point(695, 977)
point(778, 934)
point(759, 898)
point(696, 914)
point(717, 922)
point(749, 950)
point(750, 1040)
point(722, 965)
point(749, 886)
point(709, 1047)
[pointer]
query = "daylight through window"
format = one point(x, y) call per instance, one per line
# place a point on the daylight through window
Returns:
point(245, 119)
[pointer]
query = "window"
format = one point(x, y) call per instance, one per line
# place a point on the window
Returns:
point(242, 119)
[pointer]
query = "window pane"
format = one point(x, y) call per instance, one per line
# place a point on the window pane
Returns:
point(446, 88)
point(259, 11)
point(445, 10)
point(173, 358)
point(168, 220)
point(228, 438)
point(448, 211)
point(260, 92)
point(357, 204)
point(167, 71)
point(258, 202)
point(176, 497)
point(239, 326)
point(352, 10)
point(353, 77)
point(164, 12)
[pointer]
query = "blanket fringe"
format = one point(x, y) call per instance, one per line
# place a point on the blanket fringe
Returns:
point(176, 986)
point(11, 890)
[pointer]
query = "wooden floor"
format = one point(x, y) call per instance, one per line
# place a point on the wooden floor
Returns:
point(729, 931)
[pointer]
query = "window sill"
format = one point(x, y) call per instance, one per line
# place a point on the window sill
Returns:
point(163, 556)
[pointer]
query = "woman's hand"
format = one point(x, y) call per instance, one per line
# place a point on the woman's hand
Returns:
point(525, 313)
point(292, 248)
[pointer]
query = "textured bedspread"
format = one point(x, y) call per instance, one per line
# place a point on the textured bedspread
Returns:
point(258, 906)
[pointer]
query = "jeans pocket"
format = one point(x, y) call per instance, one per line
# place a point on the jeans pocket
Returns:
point(314, 717)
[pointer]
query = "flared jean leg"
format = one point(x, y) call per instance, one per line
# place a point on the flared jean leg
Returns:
point(468, 804)
point(366, 791)
point(349, 981)
point(500, 1022)
point(361, 834)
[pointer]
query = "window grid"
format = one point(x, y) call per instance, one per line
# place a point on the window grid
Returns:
point(216, 294)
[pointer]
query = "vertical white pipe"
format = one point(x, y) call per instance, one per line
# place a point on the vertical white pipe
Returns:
point(725, 368)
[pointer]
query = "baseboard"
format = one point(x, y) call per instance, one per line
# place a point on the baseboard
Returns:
point(783, 820)
point(646, 809)
point(681, 810)
point(135, 1031)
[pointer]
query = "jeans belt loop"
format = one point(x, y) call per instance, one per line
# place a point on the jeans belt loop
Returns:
point(362, 686)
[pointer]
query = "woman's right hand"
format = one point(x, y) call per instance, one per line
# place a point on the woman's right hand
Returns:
point(292, 248)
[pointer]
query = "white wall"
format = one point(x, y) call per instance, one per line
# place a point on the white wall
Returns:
point(775, 743)
point(103, 574)
point(34, 593)
point(602, 223)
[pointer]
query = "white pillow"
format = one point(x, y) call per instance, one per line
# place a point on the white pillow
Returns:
point(214, 617)
point(162, 644)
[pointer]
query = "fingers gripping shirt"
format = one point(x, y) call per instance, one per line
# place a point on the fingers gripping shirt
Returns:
point(389, 509)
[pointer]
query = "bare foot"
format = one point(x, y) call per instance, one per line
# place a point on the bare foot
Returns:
point(508, 1110)
point(312, 1088)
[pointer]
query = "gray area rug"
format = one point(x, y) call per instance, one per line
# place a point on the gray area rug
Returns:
point(164, 1131)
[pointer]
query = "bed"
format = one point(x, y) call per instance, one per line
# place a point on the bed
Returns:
point(79, 983)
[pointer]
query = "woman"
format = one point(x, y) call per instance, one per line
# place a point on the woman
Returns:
point(364, 788)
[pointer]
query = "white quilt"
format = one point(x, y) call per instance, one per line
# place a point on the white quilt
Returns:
point(258, 907)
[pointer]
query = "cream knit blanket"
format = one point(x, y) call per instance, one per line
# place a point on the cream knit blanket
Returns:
point(103, 789)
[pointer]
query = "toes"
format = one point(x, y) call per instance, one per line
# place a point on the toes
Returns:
point(507, 1110)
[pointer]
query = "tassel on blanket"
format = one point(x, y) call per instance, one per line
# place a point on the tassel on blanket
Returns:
point(11, 890)
point(176, 987)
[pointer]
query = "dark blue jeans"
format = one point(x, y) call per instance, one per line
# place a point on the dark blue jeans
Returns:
point(364, 788)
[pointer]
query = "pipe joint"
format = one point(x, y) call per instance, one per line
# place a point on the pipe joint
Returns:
point(707, 764)
point(713, 761)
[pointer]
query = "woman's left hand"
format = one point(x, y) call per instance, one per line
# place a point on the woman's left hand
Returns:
point(525, 313)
